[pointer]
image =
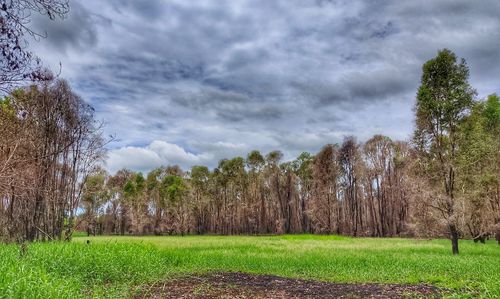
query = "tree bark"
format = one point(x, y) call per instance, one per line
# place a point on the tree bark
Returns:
point(454, 238)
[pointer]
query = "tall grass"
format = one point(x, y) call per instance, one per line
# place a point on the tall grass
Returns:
point(116, 266)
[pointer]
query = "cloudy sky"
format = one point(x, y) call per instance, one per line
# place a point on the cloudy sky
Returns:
point(191, 82)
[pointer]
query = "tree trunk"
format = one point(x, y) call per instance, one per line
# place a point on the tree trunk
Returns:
point(454, 238)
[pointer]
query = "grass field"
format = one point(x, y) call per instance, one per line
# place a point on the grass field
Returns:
point(117, 266)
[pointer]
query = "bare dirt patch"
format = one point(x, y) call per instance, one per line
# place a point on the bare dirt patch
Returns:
point(241, 285)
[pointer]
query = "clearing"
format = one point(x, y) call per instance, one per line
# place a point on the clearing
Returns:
point(111, 267)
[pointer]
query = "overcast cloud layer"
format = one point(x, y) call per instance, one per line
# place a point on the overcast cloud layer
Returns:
point(191, 82)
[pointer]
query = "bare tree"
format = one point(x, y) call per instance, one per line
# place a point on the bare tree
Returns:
point(45, 165)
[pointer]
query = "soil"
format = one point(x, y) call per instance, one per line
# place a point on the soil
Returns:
point(241, 285)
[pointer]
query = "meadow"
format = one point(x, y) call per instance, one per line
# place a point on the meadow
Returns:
point(110, 267)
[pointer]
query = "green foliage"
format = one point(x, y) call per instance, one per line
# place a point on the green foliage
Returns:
point(199, 176)
point(95, 191)
point(129, 189)
point(443, 99)
point(152, 179)
point(255, 160)
point(492, 114)
point(140, 182)
point(6, 107)
point(274, 157)
point(172, 189)
point(479, 161)
point(301, 165)
point(114, 267)
point(233, 167)
point(134, 186)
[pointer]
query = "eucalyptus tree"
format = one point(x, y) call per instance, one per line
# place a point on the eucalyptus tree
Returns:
point(349, 160)
point(302, 167)
point(173, 191)
point(326, 209)
point(199, 182)
point(256, 203)
point(479, 164)
point(234, 183)
point(444, 98)
point(94, 196)
point(134, 193)
point(118, 209)
point(154, 200)
point(276, 205)
point(387, 200)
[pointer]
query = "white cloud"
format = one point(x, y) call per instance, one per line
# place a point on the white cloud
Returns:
point(134, 158)
point(158, 153)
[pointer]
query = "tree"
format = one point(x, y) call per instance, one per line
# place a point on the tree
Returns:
point(350, 163)
point(443, 100)
point(95, 194)
point(479, 162)
point(172, 192)
point(256, 205)
point(49, 145)
point(386, 198)
point(326, 177)
point(302, 167)
point(199, 180)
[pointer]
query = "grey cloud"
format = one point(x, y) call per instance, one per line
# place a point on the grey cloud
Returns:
point(361, 87)
point(228, 105)
point(136, 68)
point(77, 30)
point(151, 9)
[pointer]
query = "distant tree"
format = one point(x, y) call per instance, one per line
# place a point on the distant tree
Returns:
point(255, 161)
point(199, 181)
point(443, 100)
point(134, 193)
point(155, 202)
point(95, 194)
point(256, 204)
point(325, 208)
point(121, 188)
point(350, 182)
point(173, 191)
point(302, 167)
point(386, 191)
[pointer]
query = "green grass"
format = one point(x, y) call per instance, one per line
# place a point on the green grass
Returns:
point(116, 266)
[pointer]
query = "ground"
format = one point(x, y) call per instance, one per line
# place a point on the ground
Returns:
point(124, 267)
point(242, 285)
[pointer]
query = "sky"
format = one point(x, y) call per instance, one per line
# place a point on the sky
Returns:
point(192, 82)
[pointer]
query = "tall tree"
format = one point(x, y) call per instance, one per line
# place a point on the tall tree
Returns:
point(443, 100)
point(326, 177)
point(350, 163)
point(302, 167)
